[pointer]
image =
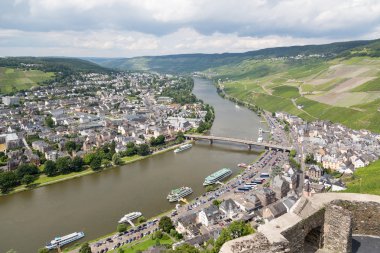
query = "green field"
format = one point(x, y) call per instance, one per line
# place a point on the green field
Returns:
point(373, 85)
point(142, 245)
point(16, 79)
point(365, 180)
point(285, 86)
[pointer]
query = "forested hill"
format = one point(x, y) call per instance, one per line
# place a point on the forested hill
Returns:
point(53, 64)
point(187, 63)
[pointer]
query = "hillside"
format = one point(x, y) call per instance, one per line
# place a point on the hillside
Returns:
point(187, 63)
point(12, 79)
point(52, 64)
point(22, 73)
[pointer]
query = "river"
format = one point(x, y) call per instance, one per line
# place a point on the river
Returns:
point(94, 203)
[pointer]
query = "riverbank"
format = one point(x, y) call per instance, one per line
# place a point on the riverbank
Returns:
point(44, 180)
point(75, 248)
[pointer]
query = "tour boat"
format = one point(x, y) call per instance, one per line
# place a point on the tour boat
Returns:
point(63, 240)
point(217, 176)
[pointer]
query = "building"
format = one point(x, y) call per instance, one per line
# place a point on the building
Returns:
point(208, 216)
point(280, 186)
point(315, 172)
point(266, 196)
point(229, 208)
point(11, 100)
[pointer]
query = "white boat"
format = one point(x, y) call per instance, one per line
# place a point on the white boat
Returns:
point(63, 240)
point(130, 217)
point(217, 176)
point(182, 148)
point(179, 193)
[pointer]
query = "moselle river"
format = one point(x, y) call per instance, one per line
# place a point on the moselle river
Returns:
point(94, 203)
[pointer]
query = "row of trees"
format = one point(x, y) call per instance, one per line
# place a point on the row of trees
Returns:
point(24, 174)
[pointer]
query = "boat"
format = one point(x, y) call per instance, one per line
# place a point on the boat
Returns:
point(179, 193)
point(63, 240)
point(182, 148)
point(130, 217)
point(217, 176)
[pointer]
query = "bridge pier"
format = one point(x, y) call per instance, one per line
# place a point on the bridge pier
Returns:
point(211, 141)
point(249, 146)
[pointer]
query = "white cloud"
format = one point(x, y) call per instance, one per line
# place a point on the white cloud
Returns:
point(151, 27)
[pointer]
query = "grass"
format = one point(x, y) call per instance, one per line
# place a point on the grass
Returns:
point(286, 91)
point(16, 79)
point(373, 85)
point(365, 180)
point(275, 90)
point(143, 244)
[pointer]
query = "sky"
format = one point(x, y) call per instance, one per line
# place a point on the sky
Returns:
point(128, 28)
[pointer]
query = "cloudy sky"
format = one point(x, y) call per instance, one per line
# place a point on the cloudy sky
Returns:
point(125, 28)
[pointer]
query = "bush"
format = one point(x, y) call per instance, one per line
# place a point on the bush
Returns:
point(165, 224)
point(121, 228)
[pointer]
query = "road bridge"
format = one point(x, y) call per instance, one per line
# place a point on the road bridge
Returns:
point(249, 143)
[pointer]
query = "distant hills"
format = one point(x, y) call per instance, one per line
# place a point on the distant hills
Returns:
point(53, 64)
point(187, 63)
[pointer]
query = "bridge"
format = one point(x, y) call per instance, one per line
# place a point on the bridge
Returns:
point(249, 143)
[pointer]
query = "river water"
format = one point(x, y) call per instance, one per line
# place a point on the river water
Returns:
point(94, 203)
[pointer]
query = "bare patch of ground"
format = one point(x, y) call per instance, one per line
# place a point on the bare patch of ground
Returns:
point(351, 83)
point(345, 99)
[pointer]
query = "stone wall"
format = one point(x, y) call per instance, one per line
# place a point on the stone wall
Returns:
point(337, 232)
point(324, 221)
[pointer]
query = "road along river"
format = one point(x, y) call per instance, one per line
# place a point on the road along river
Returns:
point(94, 203)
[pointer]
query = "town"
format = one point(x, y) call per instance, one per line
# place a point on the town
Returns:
point(62, 125)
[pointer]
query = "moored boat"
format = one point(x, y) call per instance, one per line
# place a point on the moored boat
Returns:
point(179, 193)
point(183, 147)
point(63, 240)
point(217, 176)
point(130, 217)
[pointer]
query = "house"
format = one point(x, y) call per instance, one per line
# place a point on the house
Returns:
point(229, 208)
point(359, 163)
point(185, 222)
point(266, 196)
point(248, 203)
point(41, 146)
point(208, 216)
point(274, 210)
point(314, 172)
point(280, 186)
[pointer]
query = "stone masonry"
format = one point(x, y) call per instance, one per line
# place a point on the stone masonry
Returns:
point(325, 221)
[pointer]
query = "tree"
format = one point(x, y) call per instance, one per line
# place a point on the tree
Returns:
point(96, 163)
point(50, 168)
point(85, 248)
point(276, 170)
point(64, 165)
point(286, 128)
point(8, 180)
point(239, 229)
point(43, 250)
point(185, 248)
point(28, 179)
point(141, 219)
point(116, 159)
point(216, 202)
point(293, 153)
point(77, 163)
point(309, 159)
point(88, 158)
point(70, 146)
point(143, 150)
point(26, 169)
point(122, 228)
point(180, 136)
point(165, 224)
point(49, 121)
